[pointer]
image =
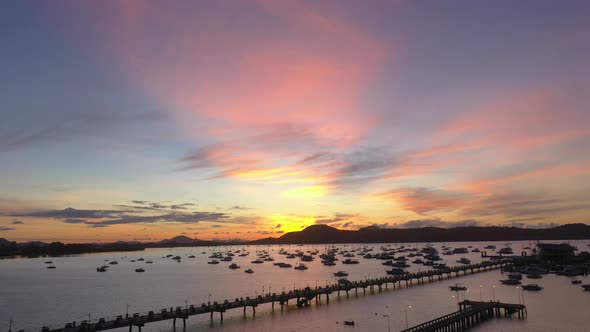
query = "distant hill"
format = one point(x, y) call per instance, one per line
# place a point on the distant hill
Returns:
point(4, 242)
point(318, 234)
point(181, 239)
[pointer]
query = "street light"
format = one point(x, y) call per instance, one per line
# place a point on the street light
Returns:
point(388, 323)
point(494, 292)
point(409, 307)
point(480, 296)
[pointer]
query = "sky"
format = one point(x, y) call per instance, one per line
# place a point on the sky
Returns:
point(143, 120)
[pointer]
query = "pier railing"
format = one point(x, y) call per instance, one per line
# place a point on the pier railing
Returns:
point(302, 297)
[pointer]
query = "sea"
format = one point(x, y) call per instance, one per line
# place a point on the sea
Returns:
point(32, 296)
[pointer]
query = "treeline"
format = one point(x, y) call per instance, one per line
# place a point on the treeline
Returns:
point(59, 248)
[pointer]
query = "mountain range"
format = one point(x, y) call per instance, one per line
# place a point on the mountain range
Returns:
point(320, 234)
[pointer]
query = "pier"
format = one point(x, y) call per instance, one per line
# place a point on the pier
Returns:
point(470, 313)
point(301, 298)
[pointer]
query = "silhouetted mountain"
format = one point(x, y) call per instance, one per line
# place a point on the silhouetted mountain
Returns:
point(318, 234)
point(181, 239)
point(4, 242)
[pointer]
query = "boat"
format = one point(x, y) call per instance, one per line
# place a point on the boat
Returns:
point(258, 261)
point(49, 262)
point(475, 250)
point(576, 282)
point(532, 287)
point(460, 251)
point(349, 322)
point(400, 264)
point(234, 266)
point(396, 271)
point(534, 276)
point(101, 269)
point(191, 256)
point(249, 271)
point(456, 287)
point(510, 282)
point(464, 260)
point(515, 276)
point(490, 247)
point(213, 262)
point(586, 287)
point(301, 267)
point(341, 274)
point(149, 262)
point(139, 270)
point(506, 251)
point(113, 262)
point(343, 281)
point(350, 261)
point(51, 267)
point(285, 265)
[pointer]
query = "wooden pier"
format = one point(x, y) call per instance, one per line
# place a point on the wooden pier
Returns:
point(301, 298)
point(470, 314)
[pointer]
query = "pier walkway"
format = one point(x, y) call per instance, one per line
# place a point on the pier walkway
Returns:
point(470, 313)
point(302, 297)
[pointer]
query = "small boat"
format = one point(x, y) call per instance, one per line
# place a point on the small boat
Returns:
point(515, 276)
point(456, 287)
point(258, 261)
point(464, 260)
point(532, 287)
point(234, 266)
point(343, 281)
point(506, 251)
point(576, 282)
point(249, 271)
point(49, 262)
point(534, 276)
point(101, 269)
point(510, 282)
point(285, 265)
point(301, 267)
point(213, 262)
point(586, 287)
point(140, 259)
point(149, 262)
point(349, 322)
point(396, 271)
point(350, 261)
point(139, 270)
point(191, 256)
point(341, 274)
point(51, 267)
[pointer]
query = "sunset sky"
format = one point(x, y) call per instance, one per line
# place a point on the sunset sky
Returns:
point(143, 120)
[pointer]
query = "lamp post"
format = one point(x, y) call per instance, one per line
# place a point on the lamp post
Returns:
point(388, 323)
point(409, 307)
point(480, 296)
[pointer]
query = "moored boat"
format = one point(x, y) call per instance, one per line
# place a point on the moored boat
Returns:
point(532, 287)
point(457, 287)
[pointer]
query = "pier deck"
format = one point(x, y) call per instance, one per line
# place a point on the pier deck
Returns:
point(302, 297)
point(469, 314)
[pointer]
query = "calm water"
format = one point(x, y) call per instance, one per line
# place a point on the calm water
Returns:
point(35, 296)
